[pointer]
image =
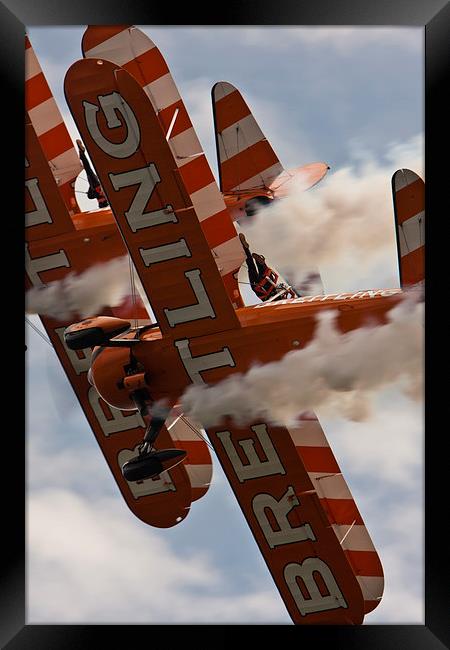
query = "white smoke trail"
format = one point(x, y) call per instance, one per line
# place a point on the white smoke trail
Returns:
point(348, 217)
point(338, 373)
point(83, 294)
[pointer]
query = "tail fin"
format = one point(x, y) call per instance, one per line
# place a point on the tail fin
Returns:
point(246, 159)
point(408, 191)
point(49, 126)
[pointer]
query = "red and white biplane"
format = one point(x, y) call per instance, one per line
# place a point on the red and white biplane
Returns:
point(168, 215)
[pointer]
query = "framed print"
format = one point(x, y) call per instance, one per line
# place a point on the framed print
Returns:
point(351, 107)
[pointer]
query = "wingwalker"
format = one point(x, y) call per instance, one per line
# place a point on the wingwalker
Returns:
point(164, 210)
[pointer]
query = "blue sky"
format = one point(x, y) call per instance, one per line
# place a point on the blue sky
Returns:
point(339, 95)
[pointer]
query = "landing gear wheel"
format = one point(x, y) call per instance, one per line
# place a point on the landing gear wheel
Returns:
point(148, 465)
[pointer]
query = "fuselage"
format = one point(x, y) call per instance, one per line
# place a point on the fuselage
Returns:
point(266, 333)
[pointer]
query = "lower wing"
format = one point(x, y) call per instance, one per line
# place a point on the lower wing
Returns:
point(340, 508)
point(299, 522)
point(55, 250)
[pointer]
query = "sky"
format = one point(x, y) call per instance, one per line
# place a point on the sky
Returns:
point(351, 97)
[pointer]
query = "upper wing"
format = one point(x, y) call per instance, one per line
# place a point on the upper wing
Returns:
point(150, 200)
point(54, 249)
point(408, 192)
point(248, 163)
point(50, 129)
point(130, 48)
point(338, 504)
point(245, 157)
point(46, 215)
point(285, 512)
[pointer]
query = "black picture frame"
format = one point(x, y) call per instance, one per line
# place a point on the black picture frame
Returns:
point(433, 15)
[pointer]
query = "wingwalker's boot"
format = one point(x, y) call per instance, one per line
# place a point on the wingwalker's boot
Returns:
point(152, 464)
point(149, 462)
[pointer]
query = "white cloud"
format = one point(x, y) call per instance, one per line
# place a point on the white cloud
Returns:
point(76, 466)
point(77, 531)
point(388, 447)
point(382, 461)
point(400, 526)
point(79, 526)
point(87, 562)
point(344, 40)
point(340, 373)
point(293, 149)
point(345, 225)
point(83, 294)
point(196, 96)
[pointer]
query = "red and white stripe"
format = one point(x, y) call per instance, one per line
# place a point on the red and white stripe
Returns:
point(246, 159)
point(409, 206)
point(337, 501)
point(50, 129)
point(136, 53)
point(198, 464)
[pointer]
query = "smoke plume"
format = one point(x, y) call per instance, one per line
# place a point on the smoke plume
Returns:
point(348, 216)
point(338, 373)
point(83, 294)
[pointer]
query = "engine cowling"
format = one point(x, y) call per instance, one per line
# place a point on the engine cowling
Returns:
point(107, 373)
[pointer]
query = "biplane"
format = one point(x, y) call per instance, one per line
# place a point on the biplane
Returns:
point(184, 321)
